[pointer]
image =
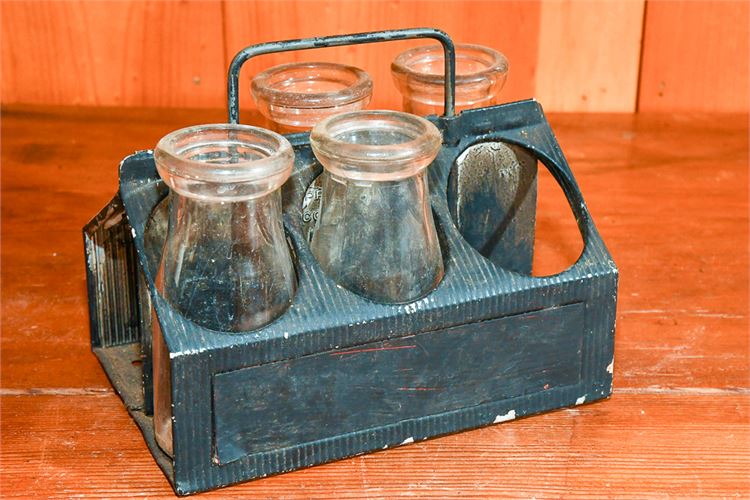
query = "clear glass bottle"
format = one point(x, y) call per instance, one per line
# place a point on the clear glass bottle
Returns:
point(294, 97)
point(226, 264)
point(419, 75)
point(376, 235)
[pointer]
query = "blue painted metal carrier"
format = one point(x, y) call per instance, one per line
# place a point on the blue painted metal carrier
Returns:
point(338, 375)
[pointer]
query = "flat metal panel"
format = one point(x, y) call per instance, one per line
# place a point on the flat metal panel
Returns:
point(282, 404)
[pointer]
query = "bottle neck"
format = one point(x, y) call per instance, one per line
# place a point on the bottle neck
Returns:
point(416, 178)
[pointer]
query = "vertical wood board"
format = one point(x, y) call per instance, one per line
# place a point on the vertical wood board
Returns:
point(695, 57)
point(589, 55)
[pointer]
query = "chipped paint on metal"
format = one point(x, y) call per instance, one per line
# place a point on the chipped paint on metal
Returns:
point(511, 415)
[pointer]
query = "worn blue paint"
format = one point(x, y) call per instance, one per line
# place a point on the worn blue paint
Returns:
point(213, 449)
point(338, 375)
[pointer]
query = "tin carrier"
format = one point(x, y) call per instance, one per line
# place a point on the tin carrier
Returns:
point(338, 375)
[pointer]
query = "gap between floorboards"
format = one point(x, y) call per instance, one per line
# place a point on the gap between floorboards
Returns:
point(692, 391)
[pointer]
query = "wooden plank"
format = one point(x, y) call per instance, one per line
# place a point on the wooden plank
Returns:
point(665, 191)
point(589, 55)
point(172, 54)
point(574, 55)
point(145, 53)
point(669, 195)
point(511, 27)
point(695, 57)
point(59, 170)
point(637, 445)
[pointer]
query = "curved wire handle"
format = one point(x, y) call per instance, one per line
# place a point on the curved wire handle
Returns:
point(233, 78)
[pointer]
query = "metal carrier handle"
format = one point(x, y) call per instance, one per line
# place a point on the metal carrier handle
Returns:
point(233, 77)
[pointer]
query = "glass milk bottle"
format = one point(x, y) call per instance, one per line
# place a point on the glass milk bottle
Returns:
point(376, 236)
point(419, 75)
point(294, 97)
point(226, 264)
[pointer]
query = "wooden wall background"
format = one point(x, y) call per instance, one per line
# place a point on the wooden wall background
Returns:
point(580, 55)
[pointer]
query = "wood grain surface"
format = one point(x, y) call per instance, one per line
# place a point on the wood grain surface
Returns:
point(669, 195)
point(589, 55)
point(175, 54)
point(696, 56)
point(166, 54)
point(632, 446)
point(511, 27)
point(580, 55)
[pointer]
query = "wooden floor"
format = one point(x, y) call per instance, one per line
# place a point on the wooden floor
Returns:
point(669, 194)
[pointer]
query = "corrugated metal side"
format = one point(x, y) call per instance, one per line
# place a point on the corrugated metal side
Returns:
point(112, 278)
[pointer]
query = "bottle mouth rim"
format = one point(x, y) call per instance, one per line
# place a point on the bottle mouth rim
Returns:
point(495, 63)
point(175, 153)
point(269, 85)
point(375, 144)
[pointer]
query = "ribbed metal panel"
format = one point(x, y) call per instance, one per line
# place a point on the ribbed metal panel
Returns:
point(111, 273)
